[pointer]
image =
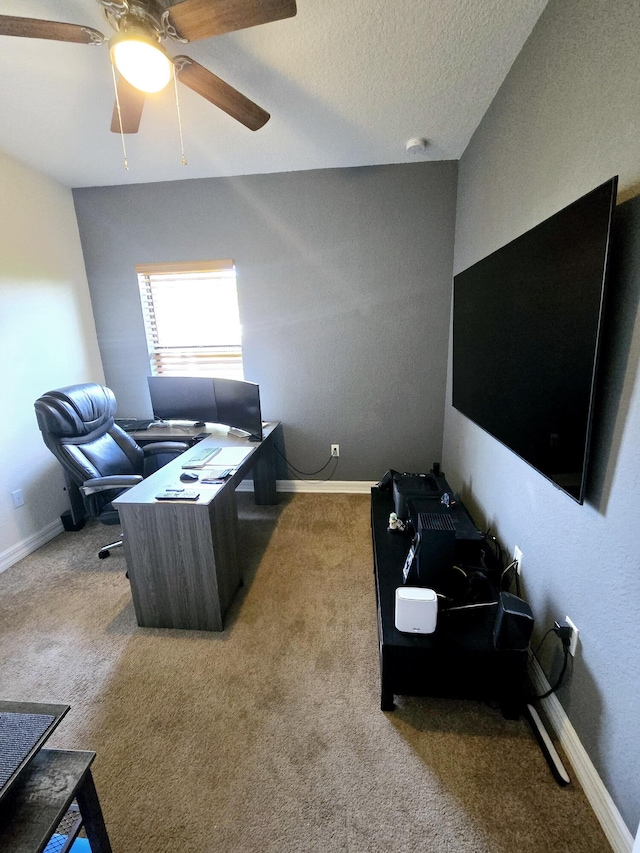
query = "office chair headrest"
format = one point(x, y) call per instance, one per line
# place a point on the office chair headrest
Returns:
point(76, 410)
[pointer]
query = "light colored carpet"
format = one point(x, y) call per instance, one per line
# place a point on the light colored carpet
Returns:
point(268, 736)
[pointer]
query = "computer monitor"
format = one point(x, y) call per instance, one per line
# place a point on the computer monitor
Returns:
point(231, 402)
point(183, 398)
point(238, 405)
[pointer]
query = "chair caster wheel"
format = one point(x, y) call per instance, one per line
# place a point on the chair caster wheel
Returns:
point(102, 555)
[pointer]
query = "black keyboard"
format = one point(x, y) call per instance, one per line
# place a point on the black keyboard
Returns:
point(133, 424)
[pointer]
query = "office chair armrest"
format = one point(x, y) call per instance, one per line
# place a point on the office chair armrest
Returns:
point(172, 447)
point(102, 484)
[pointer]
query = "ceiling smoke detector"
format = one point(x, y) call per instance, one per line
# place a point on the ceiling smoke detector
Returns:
point(417, 145)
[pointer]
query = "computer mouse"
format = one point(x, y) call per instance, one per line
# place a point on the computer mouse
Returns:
point(188, 477)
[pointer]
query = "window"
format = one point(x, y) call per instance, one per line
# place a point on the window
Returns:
point(191, 318)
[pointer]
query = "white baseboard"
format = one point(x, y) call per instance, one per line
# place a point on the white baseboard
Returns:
point(326, 487)
point(605, 809)
point(12, 555)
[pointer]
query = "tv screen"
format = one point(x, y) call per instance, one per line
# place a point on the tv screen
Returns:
point(526, 331)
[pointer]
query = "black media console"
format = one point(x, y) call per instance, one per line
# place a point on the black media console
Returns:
point(460, 658)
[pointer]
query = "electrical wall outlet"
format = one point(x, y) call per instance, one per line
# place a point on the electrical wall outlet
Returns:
point(517, 556)
point(335, 450)
point(573, 642)
point(18, 498)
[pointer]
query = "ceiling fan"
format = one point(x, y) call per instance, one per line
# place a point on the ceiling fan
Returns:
point(141, 26)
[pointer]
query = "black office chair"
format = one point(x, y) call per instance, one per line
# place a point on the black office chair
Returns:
point(98, 458)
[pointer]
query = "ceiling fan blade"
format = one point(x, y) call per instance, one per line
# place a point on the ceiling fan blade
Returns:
point(199, 19)
point(131, 103)
point(36, 29)
point(224, 96)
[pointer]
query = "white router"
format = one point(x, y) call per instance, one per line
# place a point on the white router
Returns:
point(416, 610)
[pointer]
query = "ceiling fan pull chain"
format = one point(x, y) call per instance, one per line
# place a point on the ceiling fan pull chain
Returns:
point(175, 88)
point(115, 86)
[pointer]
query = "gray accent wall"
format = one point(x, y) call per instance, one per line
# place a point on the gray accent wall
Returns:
point(566, 119)
point(344, 280)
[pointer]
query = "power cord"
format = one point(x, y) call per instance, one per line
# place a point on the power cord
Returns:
point(514, 576)
point(493, 540)
point(505, 577)
point(308, 473)
point(509, 574)
point(539, 646)
point(563, 632)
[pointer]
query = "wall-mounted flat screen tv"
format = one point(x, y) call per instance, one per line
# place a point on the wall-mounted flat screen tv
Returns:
point(527, 324)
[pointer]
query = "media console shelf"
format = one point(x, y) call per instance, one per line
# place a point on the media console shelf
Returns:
point(459, 659)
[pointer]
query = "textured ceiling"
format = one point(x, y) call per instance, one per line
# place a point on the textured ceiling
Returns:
point(347, 83)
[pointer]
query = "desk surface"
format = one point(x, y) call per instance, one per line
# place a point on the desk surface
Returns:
point(168, 477)
point(177, 432)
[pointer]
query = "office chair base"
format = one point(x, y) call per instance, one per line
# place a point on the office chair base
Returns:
point(104, 552)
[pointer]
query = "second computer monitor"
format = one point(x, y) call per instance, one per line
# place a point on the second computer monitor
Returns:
point(239, 405)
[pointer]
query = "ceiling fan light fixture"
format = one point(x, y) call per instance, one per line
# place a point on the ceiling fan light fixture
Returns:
point(140, 60)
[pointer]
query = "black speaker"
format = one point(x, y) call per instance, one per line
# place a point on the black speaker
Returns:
point(514, 623)
point(433, 548)
point(69, 524)
point(408, 487)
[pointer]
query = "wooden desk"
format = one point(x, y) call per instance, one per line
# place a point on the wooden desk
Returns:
point(182, 556)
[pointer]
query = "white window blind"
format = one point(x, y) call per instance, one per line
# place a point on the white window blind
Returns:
point(191, 319)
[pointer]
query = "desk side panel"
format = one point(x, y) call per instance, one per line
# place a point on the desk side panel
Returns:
point(182, 560)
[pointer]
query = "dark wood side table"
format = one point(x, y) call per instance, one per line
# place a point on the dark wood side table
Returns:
point(37, 802)
point(24, 729)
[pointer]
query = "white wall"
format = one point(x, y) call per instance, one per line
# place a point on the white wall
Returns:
point(47, 340)
point(566, 119)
